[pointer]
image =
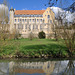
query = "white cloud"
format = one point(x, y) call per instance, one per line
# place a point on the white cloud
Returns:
point(69, 16)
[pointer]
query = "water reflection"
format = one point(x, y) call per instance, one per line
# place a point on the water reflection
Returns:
point(66, 67)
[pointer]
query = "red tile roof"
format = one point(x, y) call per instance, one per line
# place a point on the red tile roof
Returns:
point(29, 12)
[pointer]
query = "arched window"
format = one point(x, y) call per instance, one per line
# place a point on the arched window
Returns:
point(15, 20)
point(48, 16)
point(23, 20)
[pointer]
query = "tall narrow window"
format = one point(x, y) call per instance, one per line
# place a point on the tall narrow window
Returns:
point(41, 20)
point(29, 26)
point(30, 20)
point(37, 20)
point(20, 26)
point(33, 26)
point(48, 16)
point(23, 20)
point(15, 20)
point(25, 26)
point(33, 20)
point(18, 20)
point(40, 26)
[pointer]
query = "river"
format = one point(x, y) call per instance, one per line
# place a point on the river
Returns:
point(37, 67)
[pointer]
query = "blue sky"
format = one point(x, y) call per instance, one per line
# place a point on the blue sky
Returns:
point(35, 4)
point(28, 4)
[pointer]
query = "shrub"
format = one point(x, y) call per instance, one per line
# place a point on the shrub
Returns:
point(41, 35)
point(15, 34)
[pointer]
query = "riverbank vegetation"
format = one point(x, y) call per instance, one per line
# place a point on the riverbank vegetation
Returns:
point(25, 48)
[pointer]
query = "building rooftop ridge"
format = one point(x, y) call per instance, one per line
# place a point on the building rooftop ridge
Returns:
point(17, 12)
point(29, 10)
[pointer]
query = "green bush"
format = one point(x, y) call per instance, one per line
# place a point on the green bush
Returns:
point(41, 35)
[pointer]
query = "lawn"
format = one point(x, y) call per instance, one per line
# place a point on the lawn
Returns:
point(33, 48)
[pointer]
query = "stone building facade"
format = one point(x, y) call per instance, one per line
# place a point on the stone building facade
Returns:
point(35, 21)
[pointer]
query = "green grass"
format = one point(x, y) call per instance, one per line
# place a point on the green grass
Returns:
point(33, 48)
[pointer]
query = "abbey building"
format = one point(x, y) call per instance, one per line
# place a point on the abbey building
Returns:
point(35, 21)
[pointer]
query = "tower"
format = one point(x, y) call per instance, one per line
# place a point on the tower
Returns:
point(11, 18)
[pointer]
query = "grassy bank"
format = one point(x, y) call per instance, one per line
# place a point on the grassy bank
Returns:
point(35, 48)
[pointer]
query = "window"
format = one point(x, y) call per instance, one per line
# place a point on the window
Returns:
point(48, 17)
point(25, 26)
point(37, 20)
point(15, 20)
point(34, 15)
point(30, 20)
point(20, 26)
point(31, 15)
point(33, 20)
point(35, 26)
point(18, 20)
point(41, 20)
point(39, 15)
point(47, 11)
point(25, 20)
point(40, 26)
point(29, 26)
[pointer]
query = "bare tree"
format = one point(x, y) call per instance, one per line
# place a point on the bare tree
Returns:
point(4, 26)
point(62, 29)
point(15, 34)
point(31, 36)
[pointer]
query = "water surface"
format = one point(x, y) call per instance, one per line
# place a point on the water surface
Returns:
point(37, 67)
